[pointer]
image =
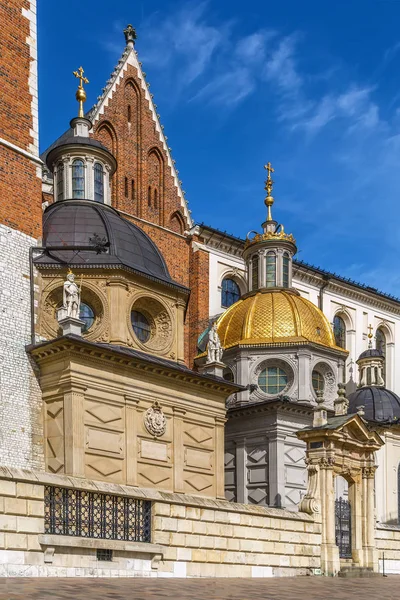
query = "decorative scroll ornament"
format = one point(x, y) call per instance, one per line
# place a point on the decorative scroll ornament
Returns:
point(155, 421)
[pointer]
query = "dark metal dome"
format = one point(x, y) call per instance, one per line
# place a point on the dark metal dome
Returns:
point(370, 353)
point(380, 405)
point(100, 237)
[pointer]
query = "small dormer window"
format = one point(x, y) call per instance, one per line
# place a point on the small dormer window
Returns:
point(60, 181)
point(78, 179)
point(98, 183)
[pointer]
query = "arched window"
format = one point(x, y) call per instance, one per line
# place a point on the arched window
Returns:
point(254, 272)
point(78, 179)
point(126, 187)
point(98, 182)
point(228, 375)
point(230, 292)
point(380, 344)
point(339, 331)
point(272, 380)
point(132, 189)
point(129, 113)
point(270, 280)
point(149, 196)
point(155, 199)
point(60, 181)
point(318, 381)
point(285, 270)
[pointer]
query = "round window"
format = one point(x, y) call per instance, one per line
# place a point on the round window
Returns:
point(141, 326)
point(272, 380)
point(86, 314)
point(318, 381)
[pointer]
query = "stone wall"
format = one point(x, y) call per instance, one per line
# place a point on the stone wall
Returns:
point(388, 546)
point(191, 537)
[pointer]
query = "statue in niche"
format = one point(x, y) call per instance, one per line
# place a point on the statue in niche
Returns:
point(214, 349)
point(71, 297)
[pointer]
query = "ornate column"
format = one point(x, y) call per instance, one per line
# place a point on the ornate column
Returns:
point(74, 429)
point(368, 501)
point(330, 561)
point(304, 358)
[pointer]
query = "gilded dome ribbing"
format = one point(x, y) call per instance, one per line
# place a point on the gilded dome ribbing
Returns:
point(274, 317)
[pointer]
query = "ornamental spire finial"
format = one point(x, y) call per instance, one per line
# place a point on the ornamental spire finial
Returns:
point(80, 92)
point(268, 188)
point(370, 336)
point(130, 35)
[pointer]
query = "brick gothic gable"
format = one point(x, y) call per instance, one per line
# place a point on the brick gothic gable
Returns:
point(146, 183)
point(146, 186)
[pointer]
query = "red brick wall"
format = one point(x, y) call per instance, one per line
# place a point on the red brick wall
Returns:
point(20, 188)
point(143, 187)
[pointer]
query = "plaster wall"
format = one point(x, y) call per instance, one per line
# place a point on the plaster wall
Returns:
point(387, 479)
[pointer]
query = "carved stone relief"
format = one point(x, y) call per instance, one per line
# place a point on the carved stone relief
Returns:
point(155, 421)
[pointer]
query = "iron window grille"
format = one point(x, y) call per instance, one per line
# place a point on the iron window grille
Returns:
point(95, 515)
point(105, 555)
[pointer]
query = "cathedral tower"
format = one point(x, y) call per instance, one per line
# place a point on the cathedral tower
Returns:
point(20, 229)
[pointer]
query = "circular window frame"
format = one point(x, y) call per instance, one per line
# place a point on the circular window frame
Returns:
point(161, 323)
point(272, 362)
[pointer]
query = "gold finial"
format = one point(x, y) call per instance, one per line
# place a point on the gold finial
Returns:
point(268, 188)
point(370, 335)
point(80, 92)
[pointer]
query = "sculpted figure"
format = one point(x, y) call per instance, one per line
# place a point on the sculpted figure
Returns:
point(214, 349)
point(71, 297)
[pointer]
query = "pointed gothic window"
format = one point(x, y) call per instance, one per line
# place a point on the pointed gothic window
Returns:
point(254, 272)
point(230, 292)
point(285, 270)
point(155, 199)
point(149, 196)
point(270, 279)
point(60, 181)
point(129, 113)
point(78, 179)
point(339, 331)
point(98, 182)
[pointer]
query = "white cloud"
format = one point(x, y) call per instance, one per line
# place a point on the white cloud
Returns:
point(280, 67)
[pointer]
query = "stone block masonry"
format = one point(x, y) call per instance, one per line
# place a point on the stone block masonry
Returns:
point(388, 546)
point(21, 439)
point(191, 536)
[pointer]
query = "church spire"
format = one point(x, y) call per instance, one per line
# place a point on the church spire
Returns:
point(80, 92)
point(269, 200)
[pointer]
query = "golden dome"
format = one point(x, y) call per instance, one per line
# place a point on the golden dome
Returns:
point(274, 317)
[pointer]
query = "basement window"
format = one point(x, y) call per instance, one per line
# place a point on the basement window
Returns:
point(105, 555)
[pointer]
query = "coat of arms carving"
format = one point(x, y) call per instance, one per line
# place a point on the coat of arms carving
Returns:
point(155, 421)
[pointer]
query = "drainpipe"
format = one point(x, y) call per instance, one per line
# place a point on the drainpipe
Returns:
point(321, 292)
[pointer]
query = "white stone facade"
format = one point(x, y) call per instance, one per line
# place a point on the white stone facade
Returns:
point(21, 434)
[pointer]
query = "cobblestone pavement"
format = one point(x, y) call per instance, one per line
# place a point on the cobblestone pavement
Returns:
point(301, 588)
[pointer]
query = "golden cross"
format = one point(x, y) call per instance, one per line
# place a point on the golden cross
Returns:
point(79, 74)
point(270, 170)
point(370, 329)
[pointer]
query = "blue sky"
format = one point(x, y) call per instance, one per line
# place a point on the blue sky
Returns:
point(311, 86)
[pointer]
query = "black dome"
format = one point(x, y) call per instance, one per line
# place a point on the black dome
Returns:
point(83, 223)
point(380, 404)
point(370, 353)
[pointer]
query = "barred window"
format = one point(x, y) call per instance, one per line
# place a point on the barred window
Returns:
point(98, 183)
point(272, 380)
point(285, 270)
point(60, 181)
point(254, 273)
point(230, 292)
point(95, 515)
point(270, 279)
point(78, 179)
